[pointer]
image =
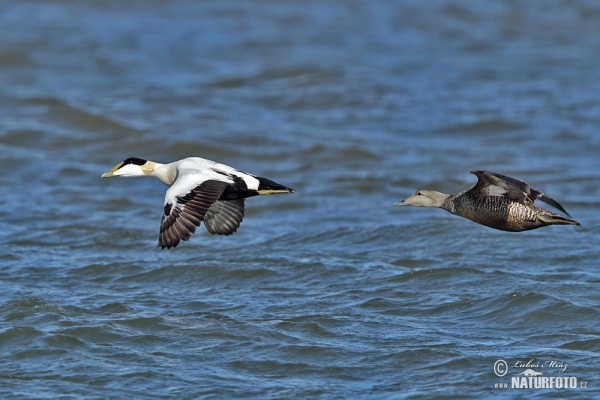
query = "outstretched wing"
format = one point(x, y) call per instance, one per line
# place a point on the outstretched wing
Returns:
point(224, 216)
point(493, 184)
point(550, 201)
point(184, 213)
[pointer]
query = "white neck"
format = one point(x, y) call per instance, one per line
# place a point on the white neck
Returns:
point(165, 173)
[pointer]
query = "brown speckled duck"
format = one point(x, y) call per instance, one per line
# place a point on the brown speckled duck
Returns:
point(497, 201)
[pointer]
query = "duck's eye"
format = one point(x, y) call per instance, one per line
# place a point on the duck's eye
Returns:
point(418, 193)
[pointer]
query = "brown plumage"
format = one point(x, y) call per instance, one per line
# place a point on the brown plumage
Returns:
point(497, 201)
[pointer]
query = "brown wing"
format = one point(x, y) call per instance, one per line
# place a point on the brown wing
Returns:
point(181, 219)
point(551, 201)
point(493, 184)
point(224, 216)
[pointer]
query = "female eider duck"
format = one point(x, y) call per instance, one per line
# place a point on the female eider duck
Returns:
point(497, 201)
point(199, 190)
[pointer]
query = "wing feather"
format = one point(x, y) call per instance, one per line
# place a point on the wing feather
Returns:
point(224, 216)
point(552, 202)
point(187, 211)
point(493, 184)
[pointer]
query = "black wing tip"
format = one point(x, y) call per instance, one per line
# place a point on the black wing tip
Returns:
point(166, 242)
point(553, 203)
point(167, 245)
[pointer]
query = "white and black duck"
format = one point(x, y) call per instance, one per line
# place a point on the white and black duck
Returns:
point(199, 191)
point(497, 201)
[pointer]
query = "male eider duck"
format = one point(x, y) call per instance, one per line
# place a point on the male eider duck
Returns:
point(199, 190)
point(497, 201)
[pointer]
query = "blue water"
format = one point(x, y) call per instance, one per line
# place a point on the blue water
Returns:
point(329, 292)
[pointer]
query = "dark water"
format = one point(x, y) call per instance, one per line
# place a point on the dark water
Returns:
point(327, 292)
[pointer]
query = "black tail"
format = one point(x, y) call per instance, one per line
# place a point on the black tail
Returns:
point(267, 186)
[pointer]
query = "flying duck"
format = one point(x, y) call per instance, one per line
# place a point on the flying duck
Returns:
point(497, 201)
point(199, 191)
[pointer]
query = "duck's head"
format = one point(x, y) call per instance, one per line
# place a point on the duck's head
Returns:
point(424, 198)
point(132, 167)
